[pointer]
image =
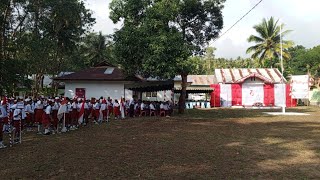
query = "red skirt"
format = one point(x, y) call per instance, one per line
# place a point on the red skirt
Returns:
point(16, 124)
point(29, 118)
point(45, 119)
point(96, 113)
point(55, 118)
point(110, 110)
point(104, 112)
point(117, 111)
point(74, 114)
point(38, 115)
point(4, 120)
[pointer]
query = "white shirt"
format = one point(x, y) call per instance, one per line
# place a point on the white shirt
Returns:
point(3, 112)
point(103, 107)
point(161, 106)
point(89, 105)
point(48, 110)
point(109, 103)
point(17, 114)
point(86, 106)
point(56, 106)
point(152, 107)
point(166, 107)
point(136, 106)
point(96, 106)
point(142, 106)
point(131, 101)
point(116, 104)
point(69, 107)
point(74, 105)
point(28, 108)
point(39, 105)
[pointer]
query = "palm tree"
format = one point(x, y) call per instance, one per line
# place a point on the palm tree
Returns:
point(95, 48)
point(268, 41)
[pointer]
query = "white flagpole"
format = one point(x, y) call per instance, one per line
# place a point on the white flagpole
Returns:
point(282, 70)
point(64, 129)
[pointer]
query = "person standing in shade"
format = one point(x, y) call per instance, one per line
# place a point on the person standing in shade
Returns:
point(3, 116)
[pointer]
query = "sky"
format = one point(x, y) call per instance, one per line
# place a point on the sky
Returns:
point(300, 16)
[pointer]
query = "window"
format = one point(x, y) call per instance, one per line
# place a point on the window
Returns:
point(151, 94)
point(109, 70)
point(154, 94)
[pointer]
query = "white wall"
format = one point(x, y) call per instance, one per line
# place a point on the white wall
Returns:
point(114, 90)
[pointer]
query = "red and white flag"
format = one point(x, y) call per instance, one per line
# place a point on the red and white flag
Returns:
point(81, 113)
point(62, 109)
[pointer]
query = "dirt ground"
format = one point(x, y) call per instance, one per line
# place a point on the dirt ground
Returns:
point(202, 144)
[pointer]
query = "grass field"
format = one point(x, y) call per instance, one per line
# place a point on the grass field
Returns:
point(201, 144)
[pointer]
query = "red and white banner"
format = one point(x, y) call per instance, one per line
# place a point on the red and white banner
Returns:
point(81, 112)
point(300, 87)
point(226, 95)
point(252, 93)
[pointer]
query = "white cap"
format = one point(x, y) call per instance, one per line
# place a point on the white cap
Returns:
point(27, 100)
point(57, 98)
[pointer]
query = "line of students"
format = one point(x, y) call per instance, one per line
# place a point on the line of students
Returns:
point(146, 108)
point(55, 115)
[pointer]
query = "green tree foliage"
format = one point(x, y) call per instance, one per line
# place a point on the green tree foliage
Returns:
point(40, 35)
point(158, 37)
point(209, 60)
point(307, 62)
point(267, 41)
point(96, 48)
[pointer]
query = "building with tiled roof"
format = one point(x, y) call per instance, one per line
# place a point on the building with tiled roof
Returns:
point(105, 80)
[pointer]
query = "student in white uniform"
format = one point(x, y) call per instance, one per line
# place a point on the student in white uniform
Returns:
point(103, 113)
point(47, 118)
point(3, 115)
point(29, 114)
point(17, 113)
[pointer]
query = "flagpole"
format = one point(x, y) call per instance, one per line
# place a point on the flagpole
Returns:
point(64, 129)
point(9, 122)
point(282, 70)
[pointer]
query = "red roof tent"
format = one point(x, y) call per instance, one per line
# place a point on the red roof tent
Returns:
point(235, 76)
point(103, 72)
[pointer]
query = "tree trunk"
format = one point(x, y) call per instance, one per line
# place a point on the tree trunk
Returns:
point(182, 99)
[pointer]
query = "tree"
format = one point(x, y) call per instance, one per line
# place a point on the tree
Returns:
point(307, 62)
point(38, 36)
point(268, 41)
point(292, 66)
point(209, 60)
point(95, 49)
point(162, 35)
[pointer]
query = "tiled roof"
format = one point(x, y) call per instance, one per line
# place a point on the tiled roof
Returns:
point(201, 80)
point(270, 75)
point(97, 74)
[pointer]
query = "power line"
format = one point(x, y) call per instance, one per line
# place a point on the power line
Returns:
point(237, 21)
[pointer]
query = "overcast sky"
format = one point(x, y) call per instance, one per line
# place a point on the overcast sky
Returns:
point(301, 16)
